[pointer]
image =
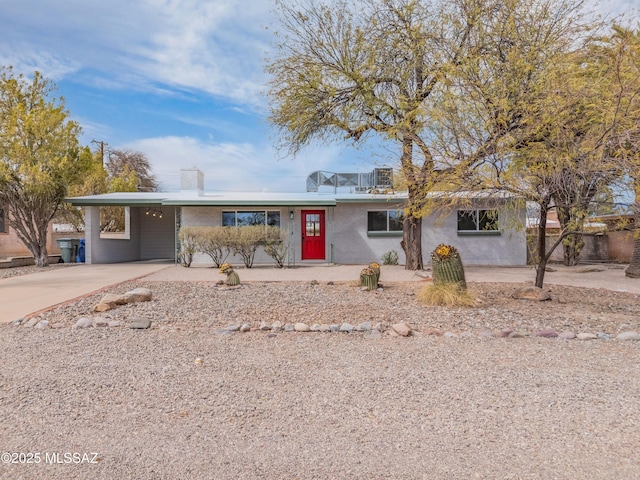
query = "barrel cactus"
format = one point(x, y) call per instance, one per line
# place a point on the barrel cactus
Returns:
point(447, 266)
point(369, 279)
point(232, 277)
point(376, 268)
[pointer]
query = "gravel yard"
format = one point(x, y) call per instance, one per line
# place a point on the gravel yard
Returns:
point(181, 400)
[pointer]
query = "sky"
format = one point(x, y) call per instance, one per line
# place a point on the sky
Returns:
point(182, 81)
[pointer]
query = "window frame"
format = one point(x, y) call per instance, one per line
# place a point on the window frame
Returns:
point(266, 214)
point(478, 215)
point(387, 232)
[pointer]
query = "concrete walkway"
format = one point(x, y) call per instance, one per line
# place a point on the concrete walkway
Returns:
point(25, 295)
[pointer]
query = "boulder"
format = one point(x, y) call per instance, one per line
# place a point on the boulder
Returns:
point(301, 327)
point(138, 295)
point(531, 293)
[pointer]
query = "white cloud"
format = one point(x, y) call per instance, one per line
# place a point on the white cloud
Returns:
point(233, 166)
point(214, 46)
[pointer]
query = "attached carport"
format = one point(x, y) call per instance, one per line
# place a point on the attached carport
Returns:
point(149, 233)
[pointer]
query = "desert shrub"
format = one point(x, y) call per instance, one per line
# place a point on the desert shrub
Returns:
point(390, 258)
point(276, 245)
point(188, 245)
point(246, 240)
point(215, 242)
point(446, 295)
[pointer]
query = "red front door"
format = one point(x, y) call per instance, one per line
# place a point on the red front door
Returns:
point(313, 246)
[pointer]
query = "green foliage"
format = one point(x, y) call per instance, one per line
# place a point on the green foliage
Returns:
point(39, 156)
point(276, 245)
point(390, 258)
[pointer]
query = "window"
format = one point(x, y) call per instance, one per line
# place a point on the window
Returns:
point(115, 223)
point(385, 221)
point(478, 221)
point(243, 219)
point(3, 222)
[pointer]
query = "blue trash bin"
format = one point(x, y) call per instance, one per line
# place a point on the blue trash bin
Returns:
point(80, 257)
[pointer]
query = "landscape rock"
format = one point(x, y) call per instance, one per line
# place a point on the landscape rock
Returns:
point(334, 327)
point(372, 335)
point(115, 298)
point(547, 333)
point(301, 327)
point(315, 327)
point(100, 322)
point(515, 335)
point(17, 322)
point(504, 333)
point(364, 327)
point(346, 327)
point(245, 327)
point(264, 326)
point(84, 322)
point(288, 327)
point(634, 336)
point(140, 324)
point(450, 335)
point(402, 329)
point(586, 336)
point(567, 335)
point(114, 323)
point(32, 322)
point(41, 325)
point(140, 294)
point(277, 326)
point(104, 307)
point(234, 327)
point(485, 334)
point(531, 293)
point(325, 328)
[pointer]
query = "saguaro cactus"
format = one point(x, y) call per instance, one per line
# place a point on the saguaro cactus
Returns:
point(447, 266)
point(369, 279)
point(232, 277)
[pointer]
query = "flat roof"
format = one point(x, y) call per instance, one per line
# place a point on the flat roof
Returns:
point(150, 199)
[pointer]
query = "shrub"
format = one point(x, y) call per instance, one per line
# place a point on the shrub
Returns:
point(276, 245)
point(246, 240)
point(188, 245)
point(390, 258)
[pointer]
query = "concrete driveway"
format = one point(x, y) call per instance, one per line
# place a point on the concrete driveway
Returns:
point(27, 294)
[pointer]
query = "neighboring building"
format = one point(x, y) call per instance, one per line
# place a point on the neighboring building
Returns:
point(345, 228)
point(12, 247)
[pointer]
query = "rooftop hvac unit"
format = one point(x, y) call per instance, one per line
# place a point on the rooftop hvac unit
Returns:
point(383, 177)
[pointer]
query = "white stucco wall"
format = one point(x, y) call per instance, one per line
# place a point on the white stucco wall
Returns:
point(354, 246)
point(149, 238)
point(347, 240)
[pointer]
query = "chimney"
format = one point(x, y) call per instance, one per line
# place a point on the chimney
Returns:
point(192, 180)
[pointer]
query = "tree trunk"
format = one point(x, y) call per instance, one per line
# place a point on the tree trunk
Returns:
point(633, 270)
point(542, 245)
point(412, 242)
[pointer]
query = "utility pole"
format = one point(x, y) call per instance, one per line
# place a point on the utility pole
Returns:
point(101, 145)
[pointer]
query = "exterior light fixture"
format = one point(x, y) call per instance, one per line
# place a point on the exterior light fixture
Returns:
point(291, 214)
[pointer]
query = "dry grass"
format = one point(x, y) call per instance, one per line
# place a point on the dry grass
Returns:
point(447, 295)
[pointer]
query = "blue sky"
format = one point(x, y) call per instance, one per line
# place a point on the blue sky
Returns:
point(181, 80)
